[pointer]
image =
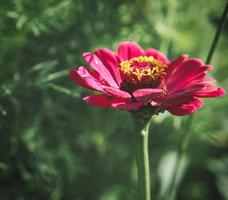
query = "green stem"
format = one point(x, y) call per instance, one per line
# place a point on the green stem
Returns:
point(217, 34)
point(142, 157)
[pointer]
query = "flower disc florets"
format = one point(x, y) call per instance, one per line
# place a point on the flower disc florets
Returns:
point(142, 72)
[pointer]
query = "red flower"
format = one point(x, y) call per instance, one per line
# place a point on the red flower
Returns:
point(133, 78)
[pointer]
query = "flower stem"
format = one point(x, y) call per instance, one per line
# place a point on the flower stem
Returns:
point(217, 34)
point(142, 157)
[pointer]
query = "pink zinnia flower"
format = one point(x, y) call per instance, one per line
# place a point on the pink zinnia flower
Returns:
point(132, 78)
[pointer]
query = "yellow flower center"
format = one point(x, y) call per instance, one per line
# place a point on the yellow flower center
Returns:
point(142, 72)
point(143, 66)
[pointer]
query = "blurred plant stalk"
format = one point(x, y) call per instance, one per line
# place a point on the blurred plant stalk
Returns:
point(142, 124)
point(183, 146)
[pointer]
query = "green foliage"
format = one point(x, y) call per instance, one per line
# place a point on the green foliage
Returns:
point(54, 146)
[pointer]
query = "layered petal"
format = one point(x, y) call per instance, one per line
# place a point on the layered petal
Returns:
point(77, 79)
point(183, 106)
point(98, 65)
point(126, 105)
point(189, 91)
point(110, 61)
point(117, 92)
point(174, 65)
point(157, 55)
point(86, 78)
point(108, 101)
point(91, 80)
point(185, 73)
point(209, 91)
point(98, 100)
point(147, 94)
point(128, 50)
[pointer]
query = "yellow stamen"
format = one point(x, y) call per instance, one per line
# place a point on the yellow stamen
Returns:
point(138, 73)
point(125, 66)
point(143, 66)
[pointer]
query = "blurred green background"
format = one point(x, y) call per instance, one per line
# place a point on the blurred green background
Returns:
point(53, 146)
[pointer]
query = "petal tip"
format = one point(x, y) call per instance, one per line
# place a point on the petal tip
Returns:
point(221, 91)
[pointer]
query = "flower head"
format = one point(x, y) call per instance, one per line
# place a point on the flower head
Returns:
point(132, 79)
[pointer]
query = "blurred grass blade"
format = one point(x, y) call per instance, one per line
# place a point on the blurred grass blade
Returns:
point(56, 75)
point(64, 90)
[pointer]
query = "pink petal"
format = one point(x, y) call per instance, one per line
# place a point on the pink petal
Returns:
point(147, 94)
point(185, 73)
point(77, 79)
point(157, 55)
point(97, 64)
point(174, 65)
point(199, 82)
point(183, 106)
point(85, 78)
point(126, 105)
point(107, 101)
point(210, 91)
point(198, 74)
point(128, 50)
point(197, 77)
point(110, 61)
point(190, 91)
point(98, 100)
point(117, 92)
